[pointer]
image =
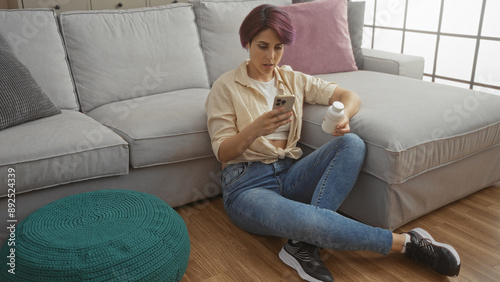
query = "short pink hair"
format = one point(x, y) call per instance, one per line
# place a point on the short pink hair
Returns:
point(264, 17)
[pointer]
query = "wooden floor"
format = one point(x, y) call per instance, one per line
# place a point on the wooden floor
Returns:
point(220, 251)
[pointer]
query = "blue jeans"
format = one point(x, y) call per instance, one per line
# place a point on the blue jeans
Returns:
point(298, 199)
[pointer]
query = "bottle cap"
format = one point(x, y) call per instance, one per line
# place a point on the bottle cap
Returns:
point(338, 105)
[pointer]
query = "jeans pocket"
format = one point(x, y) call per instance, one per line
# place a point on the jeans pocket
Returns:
point(232, 173)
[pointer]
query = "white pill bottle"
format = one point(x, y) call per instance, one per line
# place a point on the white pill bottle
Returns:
point(333, 116)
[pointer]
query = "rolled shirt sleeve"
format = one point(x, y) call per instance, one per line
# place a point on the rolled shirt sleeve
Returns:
point(221, 116)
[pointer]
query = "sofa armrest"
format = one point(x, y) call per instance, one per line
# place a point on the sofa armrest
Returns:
point(393, 63)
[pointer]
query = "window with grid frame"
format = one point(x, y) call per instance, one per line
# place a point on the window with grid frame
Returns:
point(459, 39)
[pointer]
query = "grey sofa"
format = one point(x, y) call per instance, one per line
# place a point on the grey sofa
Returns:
point(132, 85)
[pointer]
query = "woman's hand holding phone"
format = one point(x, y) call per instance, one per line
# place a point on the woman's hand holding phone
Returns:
point(268, 122)
point(265, 124)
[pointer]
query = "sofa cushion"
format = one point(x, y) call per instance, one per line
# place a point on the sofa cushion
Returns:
point(355, 20)
point(35, 40)
point(60, 149)
point(413, 126)
point(161, 129)
point(219, 23)
point(393, 63)
point(117, 55)
point(22, 99)
point(322, 45)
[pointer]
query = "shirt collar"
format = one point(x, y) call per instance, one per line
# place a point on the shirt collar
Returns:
point(241, 75)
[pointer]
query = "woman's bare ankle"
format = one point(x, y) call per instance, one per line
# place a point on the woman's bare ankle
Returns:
point(398, 241)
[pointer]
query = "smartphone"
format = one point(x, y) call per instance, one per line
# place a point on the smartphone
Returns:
point(284, 100)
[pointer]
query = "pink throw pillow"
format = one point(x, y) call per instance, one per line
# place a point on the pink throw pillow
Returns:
point(322, 43)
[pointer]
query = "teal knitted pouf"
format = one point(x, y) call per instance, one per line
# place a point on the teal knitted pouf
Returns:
point(107, 235)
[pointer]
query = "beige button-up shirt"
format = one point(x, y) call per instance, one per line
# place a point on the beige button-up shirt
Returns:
point(233, 103)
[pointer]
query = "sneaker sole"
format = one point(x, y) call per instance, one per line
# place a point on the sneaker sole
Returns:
point(425, 234)
point(289, 260)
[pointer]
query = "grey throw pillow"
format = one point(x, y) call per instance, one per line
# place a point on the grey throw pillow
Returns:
point(21, 98)
point(355, 20)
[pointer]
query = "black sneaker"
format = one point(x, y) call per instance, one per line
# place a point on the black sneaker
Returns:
point(305, 259)
point(440, 257)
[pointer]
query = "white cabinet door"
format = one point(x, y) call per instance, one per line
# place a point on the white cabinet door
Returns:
point(117, 4)
point(165, 2)
point(58, 5)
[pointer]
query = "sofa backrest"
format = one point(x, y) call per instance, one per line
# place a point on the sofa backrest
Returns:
point(117, 55)
point(34, 37)
point(219, 23)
